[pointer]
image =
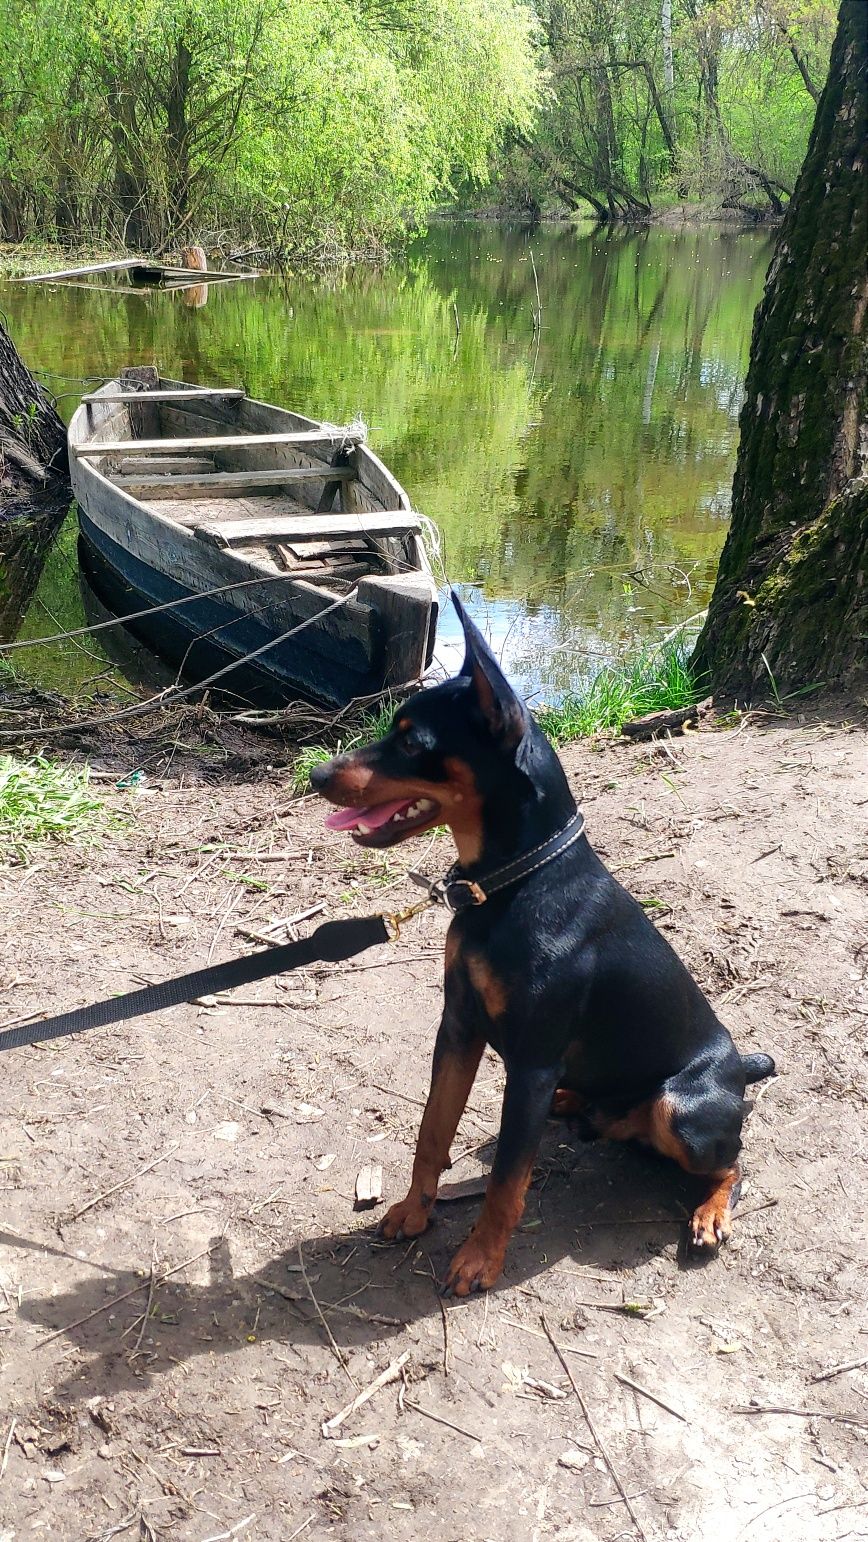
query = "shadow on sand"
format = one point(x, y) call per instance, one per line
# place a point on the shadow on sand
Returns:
point(602, 1208)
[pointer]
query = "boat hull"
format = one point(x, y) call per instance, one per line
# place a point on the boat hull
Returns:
point(207, 635)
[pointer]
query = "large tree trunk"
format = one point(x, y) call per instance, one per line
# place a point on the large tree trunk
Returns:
point(34, 484)
point(791, 598)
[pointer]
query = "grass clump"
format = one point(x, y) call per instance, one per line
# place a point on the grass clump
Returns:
point(650, 681)
point(40, 799)
point(365, 728)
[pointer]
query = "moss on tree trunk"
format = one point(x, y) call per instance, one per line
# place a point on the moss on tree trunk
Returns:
point(793, 578)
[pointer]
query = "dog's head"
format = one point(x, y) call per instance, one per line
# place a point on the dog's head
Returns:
point(448, 750)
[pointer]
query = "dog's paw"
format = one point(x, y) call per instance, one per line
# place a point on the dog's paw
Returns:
point(710, 1225)
point(410, 1217)
point(476, 1266)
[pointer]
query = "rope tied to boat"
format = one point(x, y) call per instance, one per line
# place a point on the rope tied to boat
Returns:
point(348, 435)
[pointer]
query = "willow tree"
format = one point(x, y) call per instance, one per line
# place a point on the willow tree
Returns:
point(791, 598)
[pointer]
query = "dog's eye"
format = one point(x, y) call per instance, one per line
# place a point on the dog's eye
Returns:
point(410, 742)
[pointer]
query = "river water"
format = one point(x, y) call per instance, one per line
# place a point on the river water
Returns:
point(578, 471)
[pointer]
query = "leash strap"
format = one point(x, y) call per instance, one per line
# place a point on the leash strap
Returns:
point(332, 942)
point(458, 892)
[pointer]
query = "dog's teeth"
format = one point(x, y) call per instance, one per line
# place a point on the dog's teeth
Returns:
point(363, 829)
point(424, 805)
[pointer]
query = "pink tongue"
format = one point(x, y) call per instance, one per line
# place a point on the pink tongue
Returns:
point(380, 814)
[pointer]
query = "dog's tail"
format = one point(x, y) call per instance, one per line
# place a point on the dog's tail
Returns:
point(757, 1067)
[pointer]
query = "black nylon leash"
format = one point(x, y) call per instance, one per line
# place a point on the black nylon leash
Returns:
point(331, 943)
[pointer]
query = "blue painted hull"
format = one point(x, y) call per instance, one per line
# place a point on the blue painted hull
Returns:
point(206, 635)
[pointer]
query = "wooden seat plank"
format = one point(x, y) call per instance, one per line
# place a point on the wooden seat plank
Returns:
point(295, 527)
point(194, 393)
point(226, 484)
point(191, 466)
point(304, 439)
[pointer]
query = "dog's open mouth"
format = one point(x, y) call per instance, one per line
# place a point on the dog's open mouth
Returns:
point(384, 823)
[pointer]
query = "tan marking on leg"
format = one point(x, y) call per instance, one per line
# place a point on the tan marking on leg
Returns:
point(711, 1222)
point(488, 987)
point(650, 1122)
point(661, 1134)
point(479, 1261)
point(451, 1082)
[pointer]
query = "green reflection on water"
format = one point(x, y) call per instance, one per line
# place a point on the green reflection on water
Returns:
point(556, 463)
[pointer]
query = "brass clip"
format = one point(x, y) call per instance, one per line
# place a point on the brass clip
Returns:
point(396, 919)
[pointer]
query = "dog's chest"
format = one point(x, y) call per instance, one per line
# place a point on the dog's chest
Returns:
point(476, 989)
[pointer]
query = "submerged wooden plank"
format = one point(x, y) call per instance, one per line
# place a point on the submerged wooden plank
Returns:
point(160, 270)
point(194, 393)
point(226, 484)
point(305, 439)
point(297, 527)
point(92, 267)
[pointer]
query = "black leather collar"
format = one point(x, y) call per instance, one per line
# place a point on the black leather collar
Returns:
point(458, 892)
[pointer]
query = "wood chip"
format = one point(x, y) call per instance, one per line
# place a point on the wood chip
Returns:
point(369, 1187)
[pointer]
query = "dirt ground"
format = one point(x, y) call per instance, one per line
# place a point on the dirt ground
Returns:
point(218, 1146)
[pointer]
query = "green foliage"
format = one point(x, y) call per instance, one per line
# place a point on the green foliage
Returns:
point(289, 121)
point(40, 799)
point(645, 682)
point(722, 114)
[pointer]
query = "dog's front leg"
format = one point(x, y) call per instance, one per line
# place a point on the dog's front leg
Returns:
point(456, 1061)
point(526, 1103)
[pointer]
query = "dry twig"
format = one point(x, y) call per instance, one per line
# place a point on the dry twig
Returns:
point(595, 1434)
point(125, 1295)
point(391, 1373)
point(652, 1395)
point(338, 1352)
point(122, 1185)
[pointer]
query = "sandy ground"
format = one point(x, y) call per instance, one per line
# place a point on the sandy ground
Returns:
point(222, 1143)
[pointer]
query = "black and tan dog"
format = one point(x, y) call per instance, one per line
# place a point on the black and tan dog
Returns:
point(548, 960)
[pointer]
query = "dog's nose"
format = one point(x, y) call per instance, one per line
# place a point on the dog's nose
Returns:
point(320, 776)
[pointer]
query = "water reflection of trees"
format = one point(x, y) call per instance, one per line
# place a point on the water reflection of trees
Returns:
point(554, 464)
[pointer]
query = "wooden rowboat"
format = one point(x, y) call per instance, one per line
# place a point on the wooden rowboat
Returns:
point(182, 490)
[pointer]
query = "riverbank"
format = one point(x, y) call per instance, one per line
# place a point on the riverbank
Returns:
point(222, 1141)
point(668, 216)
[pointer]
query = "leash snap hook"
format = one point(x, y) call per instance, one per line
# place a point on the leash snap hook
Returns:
point(396, 919)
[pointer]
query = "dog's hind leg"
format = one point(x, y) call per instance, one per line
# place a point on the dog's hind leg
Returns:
point(703, 1134)
point(456, 1061)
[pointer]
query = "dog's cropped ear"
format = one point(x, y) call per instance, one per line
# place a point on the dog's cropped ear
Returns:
point(504, 712)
